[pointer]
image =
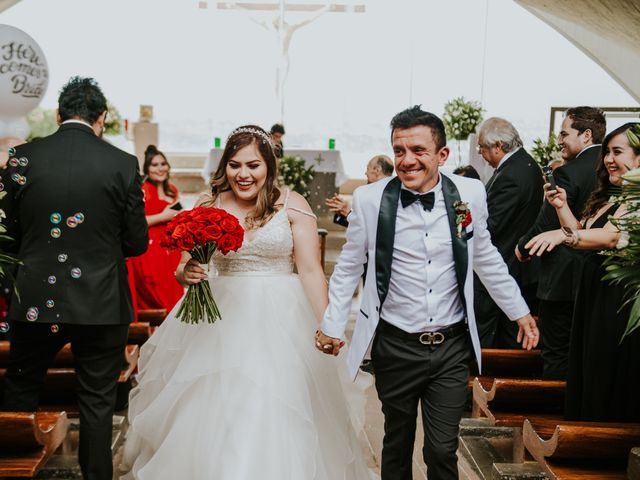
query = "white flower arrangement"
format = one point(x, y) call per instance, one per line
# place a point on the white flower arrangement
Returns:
point(546, 152)
point(293, 174)
point(461, 118)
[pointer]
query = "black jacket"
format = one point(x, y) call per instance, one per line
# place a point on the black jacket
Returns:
point(514, 198)
point(77, 215)
point(578, 178)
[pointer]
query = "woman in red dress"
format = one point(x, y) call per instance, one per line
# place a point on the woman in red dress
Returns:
point(154, 272)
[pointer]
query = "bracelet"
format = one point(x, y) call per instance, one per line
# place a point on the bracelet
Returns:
point(574, 239)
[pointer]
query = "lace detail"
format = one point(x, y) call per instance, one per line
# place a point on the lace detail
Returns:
point(269, 251)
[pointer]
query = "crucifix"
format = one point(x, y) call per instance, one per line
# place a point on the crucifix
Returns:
point(284, 30)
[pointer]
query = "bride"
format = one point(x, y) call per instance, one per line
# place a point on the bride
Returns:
point(247, 397)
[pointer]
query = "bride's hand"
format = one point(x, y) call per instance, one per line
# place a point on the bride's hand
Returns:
point(193, 273)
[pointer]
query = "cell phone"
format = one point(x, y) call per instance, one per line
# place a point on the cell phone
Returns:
point(548, 173)
point(176, 206)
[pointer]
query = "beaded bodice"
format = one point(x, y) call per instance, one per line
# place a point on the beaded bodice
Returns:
point(269, 250)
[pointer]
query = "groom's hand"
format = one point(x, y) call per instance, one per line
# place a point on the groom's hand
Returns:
point(528, 332)
point(328, 345)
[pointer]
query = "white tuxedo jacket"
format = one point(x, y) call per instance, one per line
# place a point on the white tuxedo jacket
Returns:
point(371, 231)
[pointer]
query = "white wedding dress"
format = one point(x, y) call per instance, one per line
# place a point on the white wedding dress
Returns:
point(247, 397)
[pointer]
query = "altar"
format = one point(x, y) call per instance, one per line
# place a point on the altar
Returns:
point(327, 165)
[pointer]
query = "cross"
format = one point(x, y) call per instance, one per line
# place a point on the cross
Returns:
point(284, 30)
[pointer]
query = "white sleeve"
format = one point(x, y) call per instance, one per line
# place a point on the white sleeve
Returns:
point(346, 274)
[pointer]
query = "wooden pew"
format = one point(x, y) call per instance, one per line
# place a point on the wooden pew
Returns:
point(506, 364)
point(153, 317)
point(139, 332)
point(515, 398)
point(581, 450)
point(508, 402)
point(27, 440)
point(322, 234)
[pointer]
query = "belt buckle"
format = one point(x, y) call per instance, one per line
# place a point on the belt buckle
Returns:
point(431, 338)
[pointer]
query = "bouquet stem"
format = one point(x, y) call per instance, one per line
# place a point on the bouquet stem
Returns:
point(198, 303)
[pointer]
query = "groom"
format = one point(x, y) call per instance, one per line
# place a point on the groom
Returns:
point(425, 233)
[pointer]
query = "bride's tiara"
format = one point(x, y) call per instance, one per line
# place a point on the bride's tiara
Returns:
point(253, 131)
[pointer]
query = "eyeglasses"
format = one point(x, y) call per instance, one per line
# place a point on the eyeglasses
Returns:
point(479, 148)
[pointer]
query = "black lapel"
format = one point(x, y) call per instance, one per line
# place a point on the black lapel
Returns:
point(460, 255)
point(385, 235)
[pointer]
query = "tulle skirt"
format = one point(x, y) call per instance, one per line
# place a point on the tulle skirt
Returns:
point(247, 397)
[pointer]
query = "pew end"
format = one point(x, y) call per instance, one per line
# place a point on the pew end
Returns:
point(28, 439)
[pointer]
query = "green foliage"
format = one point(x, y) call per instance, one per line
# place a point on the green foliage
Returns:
point(623, 264)
point(545, 153)
point(461, 118)
point(293, 174)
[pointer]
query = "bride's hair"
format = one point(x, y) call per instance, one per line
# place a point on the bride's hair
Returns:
point(268, 195)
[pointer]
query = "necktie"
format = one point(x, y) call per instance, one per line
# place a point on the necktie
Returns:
point(426, 199)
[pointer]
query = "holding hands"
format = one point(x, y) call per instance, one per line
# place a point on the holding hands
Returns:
point(328, 345)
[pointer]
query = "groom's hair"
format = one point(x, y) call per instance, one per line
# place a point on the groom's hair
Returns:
point(414, 117)
point(81, 98)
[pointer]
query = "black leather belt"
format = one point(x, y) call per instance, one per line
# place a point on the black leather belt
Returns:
point(426, 338)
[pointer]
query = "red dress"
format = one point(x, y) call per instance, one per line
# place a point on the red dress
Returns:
point(153, 272)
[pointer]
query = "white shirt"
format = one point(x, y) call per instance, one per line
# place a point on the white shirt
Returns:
point(423, 288)
point(73, 120)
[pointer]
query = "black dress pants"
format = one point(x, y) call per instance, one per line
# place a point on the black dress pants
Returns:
point(99, 355)
point(555, 333)
point(407, 373)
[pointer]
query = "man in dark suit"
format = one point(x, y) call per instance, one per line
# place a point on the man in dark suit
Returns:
point(75, 208)
point(581, 134)
point(514, 198)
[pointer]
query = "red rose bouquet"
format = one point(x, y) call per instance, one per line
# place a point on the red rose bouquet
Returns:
point(200, 232)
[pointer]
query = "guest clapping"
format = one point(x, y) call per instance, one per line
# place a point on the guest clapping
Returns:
point(153, 273)
point(603, 382)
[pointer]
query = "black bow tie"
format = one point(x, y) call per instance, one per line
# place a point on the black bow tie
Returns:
point(426, 199)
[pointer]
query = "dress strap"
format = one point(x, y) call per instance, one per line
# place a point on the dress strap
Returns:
point(286, 198)
point(304, 212)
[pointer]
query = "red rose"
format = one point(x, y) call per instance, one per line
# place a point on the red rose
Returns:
point(201, 237)
point(180, 231)
point(215, 216)
point(227, 243)
point(193, 227)
point(467, 220)
point(214, 232)
point(228, 224)
point(186, 243)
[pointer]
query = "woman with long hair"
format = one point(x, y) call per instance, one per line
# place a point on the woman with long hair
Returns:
point(249, 396)
point(603, 382)
point(153, 273)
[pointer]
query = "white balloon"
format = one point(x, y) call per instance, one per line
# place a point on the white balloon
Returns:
point(24, 74)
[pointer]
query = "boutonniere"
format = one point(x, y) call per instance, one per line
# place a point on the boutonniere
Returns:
point(463, 216)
